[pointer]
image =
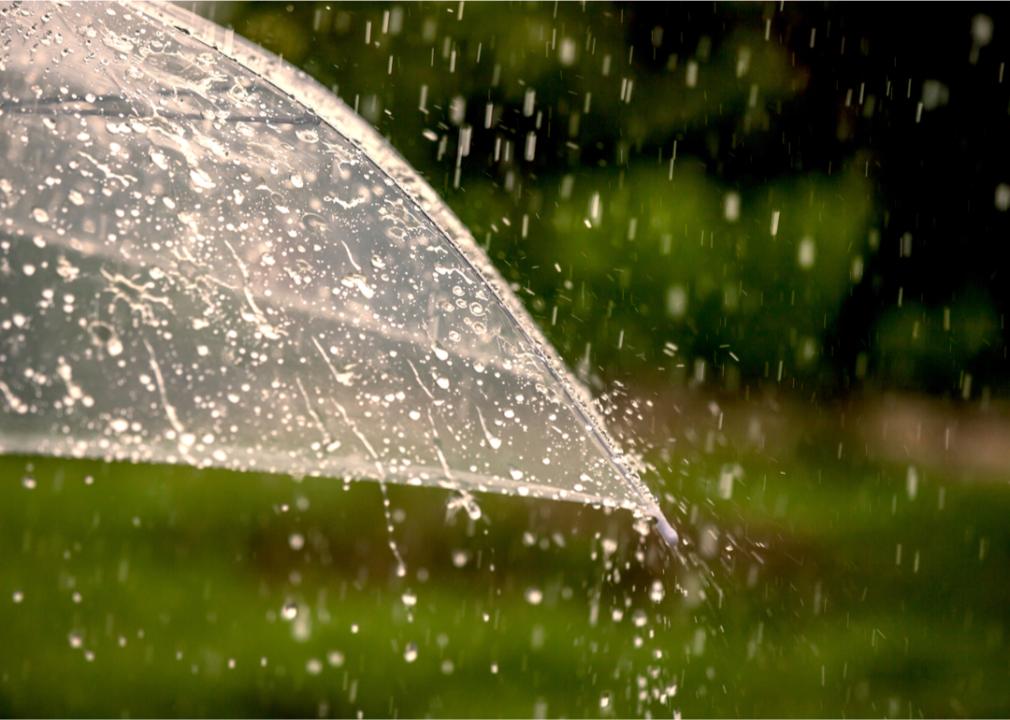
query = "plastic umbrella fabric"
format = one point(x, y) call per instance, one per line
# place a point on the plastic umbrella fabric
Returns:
point(207, 258)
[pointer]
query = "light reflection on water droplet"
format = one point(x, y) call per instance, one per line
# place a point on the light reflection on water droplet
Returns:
point(289, 611)
point(410, 652)
point(657, 592)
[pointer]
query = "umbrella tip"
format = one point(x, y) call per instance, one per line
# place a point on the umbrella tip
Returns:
point(665, 529)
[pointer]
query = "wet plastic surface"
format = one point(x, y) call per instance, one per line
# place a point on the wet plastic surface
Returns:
point(198, 268)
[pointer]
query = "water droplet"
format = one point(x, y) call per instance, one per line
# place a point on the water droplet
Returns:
point(296, 541)
point(1002, 198)
point(731, 206)
point(40, 215)
point(534, 596)
point(201, 179)
point(17, 597)
point(114, 347)
point(806, 253)
point(359, 283)
point(290, 610)
point(307, 136)
point(313, 666)
point(409, 598)
point(657, 592)
point(410, 652)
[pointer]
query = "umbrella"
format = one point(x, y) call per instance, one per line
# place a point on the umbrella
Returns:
point(207, 258)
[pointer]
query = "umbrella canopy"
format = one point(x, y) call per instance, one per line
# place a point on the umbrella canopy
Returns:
point(207, 258)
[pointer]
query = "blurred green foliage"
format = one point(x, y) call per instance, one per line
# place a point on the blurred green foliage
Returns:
point(623, 223)
point(159, 591)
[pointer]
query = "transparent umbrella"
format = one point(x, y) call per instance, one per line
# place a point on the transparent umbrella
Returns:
point(207, 258)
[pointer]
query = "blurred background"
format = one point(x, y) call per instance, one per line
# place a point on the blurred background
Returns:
point(770, 238)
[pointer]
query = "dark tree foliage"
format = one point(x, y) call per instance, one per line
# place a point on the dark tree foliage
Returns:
point(806, 196)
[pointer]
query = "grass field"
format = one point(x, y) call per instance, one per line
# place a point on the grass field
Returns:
point(808, 585)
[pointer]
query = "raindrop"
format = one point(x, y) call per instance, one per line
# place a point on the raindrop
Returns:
point(307, 135)
point(731, 206)
point(410, 652)
point(114, 347)
point(1002, 200)
point(290, 610)
point(657, 592)
point(201, 179)
point(534, 596)
point(912, 482)
point(806, 254)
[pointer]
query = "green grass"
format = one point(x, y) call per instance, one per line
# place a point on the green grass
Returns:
point(180, 571)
